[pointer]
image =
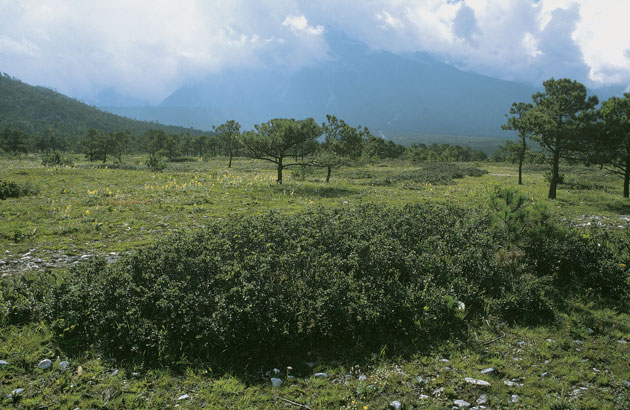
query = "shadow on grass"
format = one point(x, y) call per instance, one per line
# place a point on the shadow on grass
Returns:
point(314, 191)
point(619, 207)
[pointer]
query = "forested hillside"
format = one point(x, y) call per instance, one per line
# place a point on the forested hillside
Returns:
point(39, 110)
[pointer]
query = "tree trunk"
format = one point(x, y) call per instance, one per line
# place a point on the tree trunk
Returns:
point(280, 168)
point(521, 157)
point(328, 174)
point(626, 178)
point(554, 175)
point(230, 160)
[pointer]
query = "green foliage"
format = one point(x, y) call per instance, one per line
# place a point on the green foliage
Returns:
point(281, 138)
point(443, 153)
point(323, 281)
point(560, 120)
point(611, 145)
point(39, 112)
point(509, 213)
point(55, 159)
point(24, 298)
point(559, 179)
point(434, 174)
point(156, 163)
point(10, 189)
point(278, 285)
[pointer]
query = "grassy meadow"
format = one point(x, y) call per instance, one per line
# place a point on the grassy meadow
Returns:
point(80, 213)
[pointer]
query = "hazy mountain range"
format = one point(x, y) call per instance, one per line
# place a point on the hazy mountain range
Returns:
point(396, 95)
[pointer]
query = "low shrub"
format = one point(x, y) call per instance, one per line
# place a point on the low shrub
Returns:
point(55, 159)
point(155, 163)
point(261, 287)
point(432, 173)
point(24, 298)
point(10, 189)
point(325, 281)
point(182, 159)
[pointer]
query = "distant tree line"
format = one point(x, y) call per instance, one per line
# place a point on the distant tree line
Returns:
point(284, 142)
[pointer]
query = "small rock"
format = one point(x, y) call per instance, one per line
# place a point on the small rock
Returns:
point(17, 391)
point(579, 342)
point(488, 370)
point(547, 361)
point(626, 383)
point(461, 403)
point(183, 397)
point(421, 380)
point(275, 382)
point(3, 363)
point(521, 343)
point(512, 384)
point(439, 391)
point(483, 399)
point(590, 331)
point(362, 377)
point(320, 375)
point(395, 404)
point(621, 341)
point(114, 373)
point(477, 382)
point(135, 374)
point(517, 359)
point(444, 360)
point(276, 371)
point(447, 368)
point(345, 202)
point(551, 341)
point(45, 364)
point(514, 398)
point(64, 365)
point(461, 306)
point(544, 374)
point(423, 397)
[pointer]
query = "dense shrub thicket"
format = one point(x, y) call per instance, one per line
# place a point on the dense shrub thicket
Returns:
point(10, 189)
point(322, 280)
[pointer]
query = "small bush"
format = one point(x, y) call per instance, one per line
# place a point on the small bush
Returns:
point(182, 159)
point(9, 189)
point(56, 160)
point(433, 173)
point(24, 298)
point(155, 163)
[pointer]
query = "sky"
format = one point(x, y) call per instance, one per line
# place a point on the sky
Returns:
point(146, 49)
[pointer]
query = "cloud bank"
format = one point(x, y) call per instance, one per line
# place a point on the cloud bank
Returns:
point(148, 48)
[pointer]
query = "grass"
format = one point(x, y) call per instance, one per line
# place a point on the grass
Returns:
point(85, 211)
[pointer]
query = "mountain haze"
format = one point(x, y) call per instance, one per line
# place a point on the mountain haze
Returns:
point(391, 94)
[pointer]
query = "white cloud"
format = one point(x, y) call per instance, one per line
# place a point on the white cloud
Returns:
point(300, 24)
point(148, 48)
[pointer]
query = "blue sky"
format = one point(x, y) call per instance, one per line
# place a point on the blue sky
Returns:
point(148, 48)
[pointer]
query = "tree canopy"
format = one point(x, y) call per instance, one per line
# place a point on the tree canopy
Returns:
point(279, 138)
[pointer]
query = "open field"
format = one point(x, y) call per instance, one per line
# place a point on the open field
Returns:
point(580, 360)
point(85, 211)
